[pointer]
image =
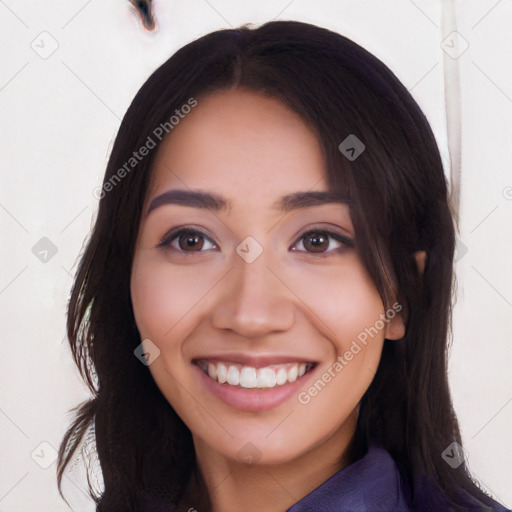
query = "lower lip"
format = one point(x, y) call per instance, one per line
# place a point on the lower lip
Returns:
point(254, 400)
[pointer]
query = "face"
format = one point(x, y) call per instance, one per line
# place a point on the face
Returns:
point(247, 280)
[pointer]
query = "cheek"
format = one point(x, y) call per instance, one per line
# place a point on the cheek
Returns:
point(165, 308)
point(152, 299)
point(164, 299)
point(349, 309)
point(343, 301)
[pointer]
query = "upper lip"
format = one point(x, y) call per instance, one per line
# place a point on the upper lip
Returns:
point(255, 361)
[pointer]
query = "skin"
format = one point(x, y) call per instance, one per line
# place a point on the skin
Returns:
point(290, 301)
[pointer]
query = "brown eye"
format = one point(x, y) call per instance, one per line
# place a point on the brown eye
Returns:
point(187, 240)
point(316, 242)
point(190, 241)
point(321, 242)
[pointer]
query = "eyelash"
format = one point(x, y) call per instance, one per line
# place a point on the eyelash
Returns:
point(347, 243)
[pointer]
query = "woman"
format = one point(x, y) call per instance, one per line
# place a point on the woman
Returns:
point(263, 306)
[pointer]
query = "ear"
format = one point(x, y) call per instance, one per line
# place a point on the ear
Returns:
point(395, 329)
point(421, 260)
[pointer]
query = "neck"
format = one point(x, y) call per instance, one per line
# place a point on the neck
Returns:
point(233, 486)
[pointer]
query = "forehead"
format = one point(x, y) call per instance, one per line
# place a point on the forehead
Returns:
point(245, 146)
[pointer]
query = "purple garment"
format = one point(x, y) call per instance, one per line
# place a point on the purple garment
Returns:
point(371, 484)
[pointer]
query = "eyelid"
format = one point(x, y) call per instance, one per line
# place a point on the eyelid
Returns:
point(346, 241)
point(170, 236)
point(174, 233)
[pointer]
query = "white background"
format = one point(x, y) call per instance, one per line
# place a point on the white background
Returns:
point(60, 115)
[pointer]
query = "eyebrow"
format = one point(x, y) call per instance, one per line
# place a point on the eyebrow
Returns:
point(211, 201)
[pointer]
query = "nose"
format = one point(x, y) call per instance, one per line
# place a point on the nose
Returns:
point(255, 300)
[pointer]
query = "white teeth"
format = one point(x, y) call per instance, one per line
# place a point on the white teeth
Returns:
point(249, 377)
point(233, 376)
point(293, 373)
point(212, 371)
point(222, 373)
point(281, 376)
point(266, 378)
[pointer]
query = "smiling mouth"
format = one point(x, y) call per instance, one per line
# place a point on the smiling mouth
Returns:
point(248, 377)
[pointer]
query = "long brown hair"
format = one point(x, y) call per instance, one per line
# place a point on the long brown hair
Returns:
point(399, 205)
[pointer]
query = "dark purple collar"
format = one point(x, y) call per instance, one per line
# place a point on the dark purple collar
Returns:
point(373, 483)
